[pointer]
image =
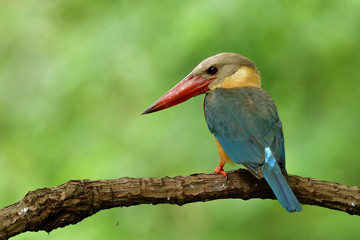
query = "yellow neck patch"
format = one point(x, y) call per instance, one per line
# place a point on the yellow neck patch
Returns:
point(244, 77)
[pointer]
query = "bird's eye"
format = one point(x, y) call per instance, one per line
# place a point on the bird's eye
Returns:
point(212, 70)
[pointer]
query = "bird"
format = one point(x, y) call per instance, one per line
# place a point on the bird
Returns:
point(241, 115)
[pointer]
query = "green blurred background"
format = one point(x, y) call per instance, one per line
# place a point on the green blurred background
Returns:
point(76, 75)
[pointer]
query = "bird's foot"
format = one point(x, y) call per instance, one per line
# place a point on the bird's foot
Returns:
point(220, 169)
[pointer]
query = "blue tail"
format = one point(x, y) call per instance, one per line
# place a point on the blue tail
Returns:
point(278, 183)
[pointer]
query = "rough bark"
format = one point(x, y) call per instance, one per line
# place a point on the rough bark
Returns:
point(50, 208)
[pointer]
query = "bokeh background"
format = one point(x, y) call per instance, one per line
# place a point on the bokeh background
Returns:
point(76, 75)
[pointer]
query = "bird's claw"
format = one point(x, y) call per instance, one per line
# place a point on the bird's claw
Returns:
point(220, 169)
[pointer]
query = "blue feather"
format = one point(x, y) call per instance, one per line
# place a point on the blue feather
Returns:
point(272, 174)
point(246, 124)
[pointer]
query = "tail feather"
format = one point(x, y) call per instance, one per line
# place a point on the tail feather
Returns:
point(278, 183)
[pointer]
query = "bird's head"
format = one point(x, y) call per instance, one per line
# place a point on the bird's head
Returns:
point(224, 70)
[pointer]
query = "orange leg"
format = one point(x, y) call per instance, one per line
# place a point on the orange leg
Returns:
point(223, 159)
point(220, 169)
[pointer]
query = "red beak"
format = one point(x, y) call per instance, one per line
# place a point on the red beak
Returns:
point(187, 88)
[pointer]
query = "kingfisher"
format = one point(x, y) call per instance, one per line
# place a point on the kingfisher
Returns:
point(241, 115)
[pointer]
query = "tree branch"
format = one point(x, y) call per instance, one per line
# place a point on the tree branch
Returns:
point(50, 208)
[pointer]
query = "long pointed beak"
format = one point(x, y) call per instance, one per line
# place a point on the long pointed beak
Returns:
point(187, 88)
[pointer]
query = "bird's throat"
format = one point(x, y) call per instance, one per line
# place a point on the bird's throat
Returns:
point(244, 77)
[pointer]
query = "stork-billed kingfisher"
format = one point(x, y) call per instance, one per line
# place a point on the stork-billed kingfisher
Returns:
point(242, 116)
